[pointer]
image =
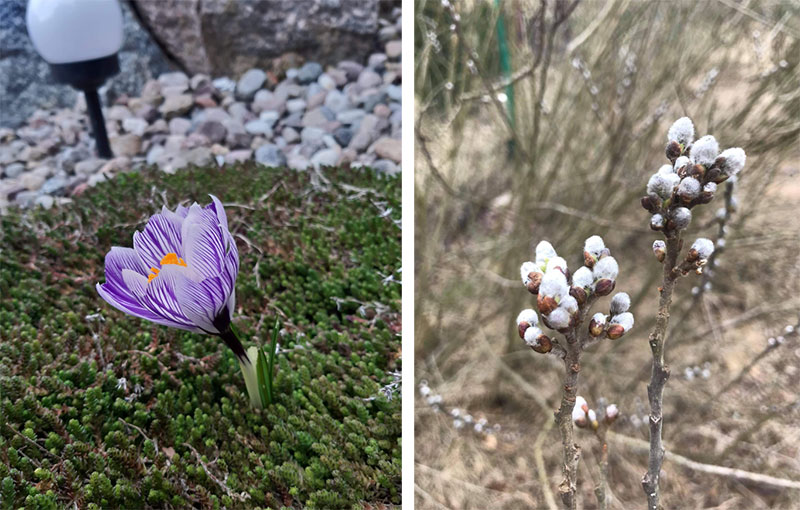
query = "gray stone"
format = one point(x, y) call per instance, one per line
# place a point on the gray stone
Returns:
point(270, 155)
point(326, 81)
point(388, 148)
point(325, 157)
point(349, 117)
point(336, 101)
point(343, 136)
point(240, 112)
point(55, 185)
point(395, 92)
point(294, 120)
point(351, 69)
point(290, 135)
point(369, 79)
point(154, 154)
point(216, 37)
point(224, 84)
point(377, 61)
point(126, 145)
point(309, 72)
point(31, 180)
point(238, 155)
point(367, 132)
point(88, 166)
point(174, 79)
point(295, 105)
point(249, 83)
point(135, 125)
point(179, 126)
point(371, 100)
point(174, 106)
point(213, 130)
point(45, 201)
point(14, 170)
point(237, 135)
point(298, 162)
point(259, 127)
point(318, 117)
point(270, 116)
point(117, 112)
point(26, 198)
point(394, 49)
point(198, 156)
point(385, 166)
point(312, 136)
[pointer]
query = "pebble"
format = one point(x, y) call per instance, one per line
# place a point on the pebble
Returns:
point(309, 72)
point(249, 83)
point(349, 113)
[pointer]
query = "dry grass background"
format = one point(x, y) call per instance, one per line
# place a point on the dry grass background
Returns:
point(487, 190)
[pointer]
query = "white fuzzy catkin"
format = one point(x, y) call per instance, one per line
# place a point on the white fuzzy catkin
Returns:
point(710, 187)
point(624, 319)
point(682, 131)
point(606, 267)
point(559, 318)
point(592, 416)
point(544, 251)
point(666, 169)
point(681, 162)
point(682, 217)
point(569, 303)
point(578, 414)
point(599, 318)
point(612, 411)
point(704, 247)
point(705, 150)
point(583, 277)
point(734, 160)
point(658, 244)
point(554, 284)
point(657, 221)
point(661, 185)
point(620, 303)
point(527, 268)
point(556, 262)
point(689, 188)
point(528, 316)
point(531, 336)
point(594, 245)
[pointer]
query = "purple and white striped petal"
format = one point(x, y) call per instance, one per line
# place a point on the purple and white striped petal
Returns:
point(216, 206)
point(115, 291)
point(160, 296)
point(203, 245)
point(202, 302)
point(161, 235)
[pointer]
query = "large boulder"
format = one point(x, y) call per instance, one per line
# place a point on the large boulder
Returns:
point(229, 37)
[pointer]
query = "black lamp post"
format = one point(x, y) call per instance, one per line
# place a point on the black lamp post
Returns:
point(80, 40)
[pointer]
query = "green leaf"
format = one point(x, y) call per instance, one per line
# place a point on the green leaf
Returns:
point(263, 377)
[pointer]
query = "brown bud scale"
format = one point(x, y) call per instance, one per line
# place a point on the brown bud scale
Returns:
point(615, 331)
point(604, 287)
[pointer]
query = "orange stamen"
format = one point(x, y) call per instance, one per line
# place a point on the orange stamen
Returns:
point(169, 258)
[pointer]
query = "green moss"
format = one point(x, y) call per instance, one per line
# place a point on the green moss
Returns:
point(178, 432)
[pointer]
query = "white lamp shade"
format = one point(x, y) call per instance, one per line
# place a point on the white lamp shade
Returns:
point(66, 31)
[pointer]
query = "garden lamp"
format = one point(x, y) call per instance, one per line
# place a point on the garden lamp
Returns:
point(80, 40)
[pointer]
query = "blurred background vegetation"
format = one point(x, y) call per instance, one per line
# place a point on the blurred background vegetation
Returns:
point(543, 120)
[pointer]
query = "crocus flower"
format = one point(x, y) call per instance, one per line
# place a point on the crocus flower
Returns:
point(181, 272)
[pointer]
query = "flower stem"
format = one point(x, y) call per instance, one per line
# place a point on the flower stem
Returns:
point(660, 373)
point(572, 452)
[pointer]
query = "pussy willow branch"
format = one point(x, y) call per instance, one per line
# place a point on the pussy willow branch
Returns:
point(572, 452)
point(660, 372)
point(601, 492)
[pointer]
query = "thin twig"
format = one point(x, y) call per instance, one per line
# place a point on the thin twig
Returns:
point(660, 373)
point(737, 474)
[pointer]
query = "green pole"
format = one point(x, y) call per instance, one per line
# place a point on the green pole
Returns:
point(505, 62)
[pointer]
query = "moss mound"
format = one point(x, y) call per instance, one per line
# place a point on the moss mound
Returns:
point(105, 410)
